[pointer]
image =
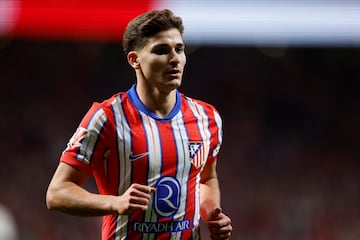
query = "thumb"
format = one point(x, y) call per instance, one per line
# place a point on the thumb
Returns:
point(214, 213)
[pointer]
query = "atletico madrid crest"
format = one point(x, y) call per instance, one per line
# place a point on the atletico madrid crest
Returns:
point(196, 151)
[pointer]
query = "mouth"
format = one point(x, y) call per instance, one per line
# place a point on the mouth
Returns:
point(174, 73)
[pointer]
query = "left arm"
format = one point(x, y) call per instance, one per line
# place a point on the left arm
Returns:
point(209, 191)
point(218, 223)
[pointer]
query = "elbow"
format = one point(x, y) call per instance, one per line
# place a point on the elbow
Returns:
point(50, 200)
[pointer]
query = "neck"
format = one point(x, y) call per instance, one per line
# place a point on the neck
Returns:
point(158, 102)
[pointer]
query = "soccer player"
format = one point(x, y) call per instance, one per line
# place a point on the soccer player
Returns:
point(152, 150)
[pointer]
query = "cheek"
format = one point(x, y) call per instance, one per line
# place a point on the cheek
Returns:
point(152, 70)
point(156, 67)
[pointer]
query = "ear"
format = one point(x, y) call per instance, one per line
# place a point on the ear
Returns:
point(133, 59)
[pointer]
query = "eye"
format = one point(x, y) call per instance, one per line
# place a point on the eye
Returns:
point(161, 50)
point(180, 49)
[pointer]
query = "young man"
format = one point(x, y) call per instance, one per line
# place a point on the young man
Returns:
point(151, 150)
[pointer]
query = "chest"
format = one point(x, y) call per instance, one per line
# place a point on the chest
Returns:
point(168, 146)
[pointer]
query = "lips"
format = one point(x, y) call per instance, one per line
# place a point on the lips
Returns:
point(174, 71)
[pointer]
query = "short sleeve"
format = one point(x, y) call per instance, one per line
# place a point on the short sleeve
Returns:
point(86, 146)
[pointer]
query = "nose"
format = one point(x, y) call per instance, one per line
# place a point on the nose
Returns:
point(174, 57)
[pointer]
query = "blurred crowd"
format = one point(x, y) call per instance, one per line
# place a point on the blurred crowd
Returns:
point(289, 163)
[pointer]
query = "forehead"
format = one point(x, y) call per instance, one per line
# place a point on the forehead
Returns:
point(170, 37)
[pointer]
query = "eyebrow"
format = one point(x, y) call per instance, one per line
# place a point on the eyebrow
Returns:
point(166, 45)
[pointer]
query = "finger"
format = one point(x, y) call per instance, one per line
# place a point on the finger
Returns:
point(139, 200)
point(222, 233)
point(220, 236)
point(215, 213)
point(135, 207)
point(144, 188)
point(220, 221)
point(143, 191)
point(223, 230)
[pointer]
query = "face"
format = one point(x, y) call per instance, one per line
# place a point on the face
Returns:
point(160, 63)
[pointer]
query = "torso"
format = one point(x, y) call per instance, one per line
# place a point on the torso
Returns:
point(168, 154)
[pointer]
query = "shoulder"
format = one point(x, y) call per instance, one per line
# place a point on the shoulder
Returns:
point(193, 102)
point(102, 111)
point(107, 104)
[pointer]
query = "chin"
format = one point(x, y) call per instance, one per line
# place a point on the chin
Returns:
point(173, 85)
point(176, 83)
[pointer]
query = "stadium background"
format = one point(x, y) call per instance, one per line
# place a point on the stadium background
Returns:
point(290, 160)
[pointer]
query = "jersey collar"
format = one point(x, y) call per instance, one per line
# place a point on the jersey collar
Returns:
point(134, 98)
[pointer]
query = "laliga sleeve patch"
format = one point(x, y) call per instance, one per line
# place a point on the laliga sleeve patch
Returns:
point(77, 138)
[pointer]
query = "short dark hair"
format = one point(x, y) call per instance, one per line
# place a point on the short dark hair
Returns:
point(147, 25)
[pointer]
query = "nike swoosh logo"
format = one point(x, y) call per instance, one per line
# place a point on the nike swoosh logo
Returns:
point(138, 156)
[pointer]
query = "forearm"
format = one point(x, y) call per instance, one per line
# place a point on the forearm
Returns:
point(209, 197)
point(72, 199)
point(218, 223)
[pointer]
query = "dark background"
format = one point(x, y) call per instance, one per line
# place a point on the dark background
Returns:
point(289, 165)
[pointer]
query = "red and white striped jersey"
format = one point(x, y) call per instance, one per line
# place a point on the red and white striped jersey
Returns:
point(121, 142)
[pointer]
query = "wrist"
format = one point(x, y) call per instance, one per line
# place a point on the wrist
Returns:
point(112, 204)
point(208, 210)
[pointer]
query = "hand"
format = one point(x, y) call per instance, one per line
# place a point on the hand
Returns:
point(219, 225)
point(135, 198)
